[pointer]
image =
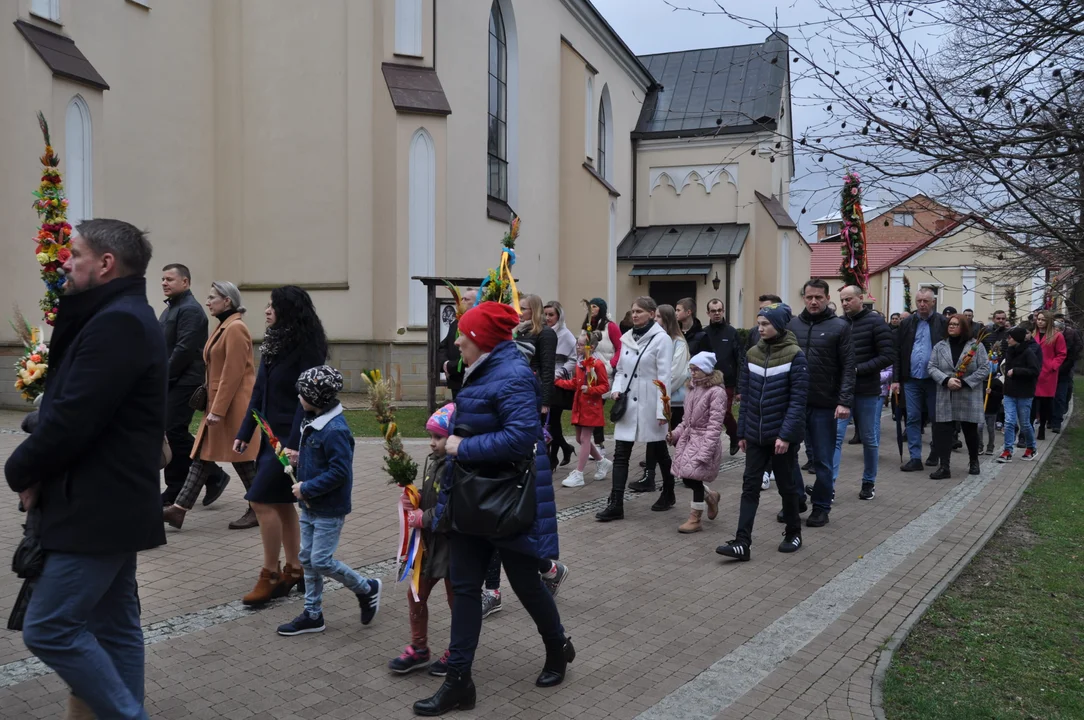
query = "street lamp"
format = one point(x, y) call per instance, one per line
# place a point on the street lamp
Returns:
point(715, 282)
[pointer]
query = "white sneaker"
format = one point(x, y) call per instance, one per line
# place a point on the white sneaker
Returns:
point(767, 481)
point(574, 479)
point(603, 468)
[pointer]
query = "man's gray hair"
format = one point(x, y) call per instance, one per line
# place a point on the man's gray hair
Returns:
point(229, 291)
point(125, 242)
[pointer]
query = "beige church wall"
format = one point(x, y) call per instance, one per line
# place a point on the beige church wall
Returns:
point(384, 30)
point(800, 255)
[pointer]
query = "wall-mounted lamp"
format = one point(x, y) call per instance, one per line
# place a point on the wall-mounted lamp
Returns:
point(715, 281)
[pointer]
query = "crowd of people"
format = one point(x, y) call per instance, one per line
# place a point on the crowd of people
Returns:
point(487, 497)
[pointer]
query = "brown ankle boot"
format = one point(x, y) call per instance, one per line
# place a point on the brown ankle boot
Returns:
point(291, 577)
point(246, 521)
point(712, 499)
point(265, 588)
point(78, 710)
point(174, 515)
point(693, 523)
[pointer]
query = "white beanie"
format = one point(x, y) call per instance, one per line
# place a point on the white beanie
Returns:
point(705, 361)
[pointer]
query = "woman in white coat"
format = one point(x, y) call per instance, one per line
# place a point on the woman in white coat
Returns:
point(679, 375)
point(647, 353)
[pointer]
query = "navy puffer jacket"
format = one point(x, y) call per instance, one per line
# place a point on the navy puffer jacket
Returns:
point(501, 403)
point(773, 387)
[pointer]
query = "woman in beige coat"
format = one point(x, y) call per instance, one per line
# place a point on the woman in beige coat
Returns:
point(231, 374)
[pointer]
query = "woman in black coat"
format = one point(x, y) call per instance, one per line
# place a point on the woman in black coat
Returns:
point(293, 342)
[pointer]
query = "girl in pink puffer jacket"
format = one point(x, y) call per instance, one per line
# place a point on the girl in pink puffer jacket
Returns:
point(699, 449)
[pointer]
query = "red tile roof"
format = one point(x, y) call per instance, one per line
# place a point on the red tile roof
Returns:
point(827, 256)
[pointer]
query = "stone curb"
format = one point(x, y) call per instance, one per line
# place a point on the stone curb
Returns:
point(901, 633)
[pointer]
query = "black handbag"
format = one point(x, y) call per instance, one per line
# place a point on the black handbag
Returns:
point(28, 562)
point(492, 500)
point(621, 404)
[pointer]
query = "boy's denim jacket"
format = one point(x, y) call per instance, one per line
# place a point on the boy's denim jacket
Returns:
point(325, 466)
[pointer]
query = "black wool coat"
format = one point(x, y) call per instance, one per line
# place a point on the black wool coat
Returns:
point(184, 325)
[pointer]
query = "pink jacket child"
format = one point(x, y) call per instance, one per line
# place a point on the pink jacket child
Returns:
point(699, 447)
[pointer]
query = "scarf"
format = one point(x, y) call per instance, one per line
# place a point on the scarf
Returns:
point(639, 332)
point(275, 340)
point(957, 345)
point(221, 317)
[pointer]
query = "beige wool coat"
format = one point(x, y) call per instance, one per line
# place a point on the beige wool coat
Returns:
point(231, 373)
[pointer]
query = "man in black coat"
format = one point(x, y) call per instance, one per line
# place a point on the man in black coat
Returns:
point(685, 310)
point(184, 325)
point(722, 339)
point(918, 333)
point(825, 339)
point(91, 469)
point(871, 338)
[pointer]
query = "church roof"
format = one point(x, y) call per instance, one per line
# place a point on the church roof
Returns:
point(715, 91)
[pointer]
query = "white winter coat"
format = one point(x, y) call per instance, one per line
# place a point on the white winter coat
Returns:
point(644, 410)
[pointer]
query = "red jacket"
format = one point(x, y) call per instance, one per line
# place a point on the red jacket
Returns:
point(587, 410)
point(1053, 357)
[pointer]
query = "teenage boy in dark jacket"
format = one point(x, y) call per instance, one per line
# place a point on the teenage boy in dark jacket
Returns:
point(774, 383)
point(825, 339)
point(325, 481)
point(1020, 374)
point(721, 338)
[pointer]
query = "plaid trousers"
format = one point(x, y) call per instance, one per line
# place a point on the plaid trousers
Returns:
point(200, 470)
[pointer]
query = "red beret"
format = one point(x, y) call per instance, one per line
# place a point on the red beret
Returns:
point(489, 324)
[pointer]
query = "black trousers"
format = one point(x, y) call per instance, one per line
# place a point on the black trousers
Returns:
point(656, 453)
point(557, 433)
point(178, 419)
point(697, 486)
point(757, 458)
point(493, 572)
point(470, 558)
point(944, 434)
point(1045, 410)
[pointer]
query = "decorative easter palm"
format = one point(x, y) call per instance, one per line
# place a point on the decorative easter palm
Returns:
point(499, 285)
point(906, 294)
point(854, 268)
point(32, 367)
point(54, 234)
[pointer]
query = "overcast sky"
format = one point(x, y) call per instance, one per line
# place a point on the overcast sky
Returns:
point(652, 26)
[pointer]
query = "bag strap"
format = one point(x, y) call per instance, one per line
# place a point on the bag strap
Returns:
point(640, 357)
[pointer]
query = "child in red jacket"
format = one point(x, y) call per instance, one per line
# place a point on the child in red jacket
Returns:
point(590, 383)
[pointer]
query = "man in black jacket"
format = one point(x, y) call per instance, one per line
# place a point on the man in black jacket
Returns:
point(722, 339)
point(1020, 370)
point(918, 333)
point(184, 325)
point(826, 341)
point(871, 338)
point(685, 309)
point(91, 469)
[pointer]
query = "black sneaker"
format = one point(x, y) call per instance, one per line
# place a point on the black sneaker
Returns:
point(868, 491)
point(912, 465)
point(370, 602)
point(940, 473)
point(733, 446)
point(412, 659)
point(802, 507)
point(808, 467)
point(791, 543)
point(735, 549)
point(302, 624)
point(931, 461)
point(817, 518)
point(553, 584)
point(440, 667)
point(973, 468)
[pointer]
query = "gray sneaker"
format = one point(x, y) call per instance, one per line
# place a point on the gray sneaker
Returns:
point(553, 584)
point(491, 602)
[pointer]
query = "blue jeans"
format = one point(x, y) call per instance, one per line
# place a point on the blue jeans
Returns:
point(1018, 414)
point(83, 622)
point(319, 538)
point(920, 395)
point(866, 411)
point(820, 438)
point(1061, 400)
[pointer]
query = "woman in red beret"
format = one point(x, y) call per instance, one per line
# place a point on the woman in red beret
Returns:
point(497, 423)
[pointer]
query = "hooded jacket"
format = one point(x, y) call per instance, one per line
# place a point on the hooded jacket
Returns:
point(773, 389)
point(825, 339)
point(871, 338)
point(565, 359)
point(1026, 364)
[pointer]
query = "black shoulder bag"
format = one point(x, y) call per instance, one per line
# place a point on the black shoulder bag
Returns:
point(621, 404)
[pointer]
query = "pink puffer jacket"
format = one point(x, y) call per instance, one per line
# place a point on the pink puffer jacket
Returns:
point(699, 447)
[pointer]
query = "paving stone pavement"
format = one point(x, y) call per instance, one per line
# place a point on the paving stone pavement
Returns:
point(664, 628)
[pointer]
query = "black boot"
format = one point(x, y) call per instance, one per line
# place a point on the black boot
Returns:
point(941, 473)
point(646, 483)
point(666, 498)
point(558, 656)
point(615, 509)
point(457, 693)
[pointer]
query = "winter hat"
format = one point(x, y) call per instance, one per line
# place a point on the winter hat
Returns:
point(1018, 334)
point(440, 422)
point(705, 361)
point(320, 386)
point(950, 311)
point(602, 307)
point(778, 315)
point(489, 324)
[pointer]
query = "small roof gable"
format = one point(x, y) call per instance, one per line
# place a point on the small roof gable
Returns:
point(775, 208)
point(61, 55)
point(684, 242)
